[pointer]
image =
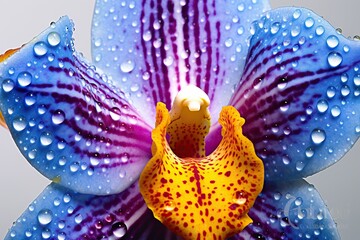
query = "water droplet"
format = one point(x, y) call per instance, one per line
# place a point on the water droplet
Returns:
point(229, 42)
point(169, 206)
point(344, 78)
point(8, 85)
point(295, 31)
point(286, 160)
point(115, 114)
point(40, 49)
point(300, 166)
point(74, 167)
point(330, 92)
point(58, 117)
point(309, 152)
point(282, 83)
point(45, 216)
point(277, 196)
point(19, 124)
point(119, 229)
point(275, 27)
point(67, 198)
point(322, 106)
point(240, 197)
point(61, 236)
point(147, 36)
point(99, 225)
point(357, 80)
point(334, 59)
point(297, 13)
point(309, 22)
point(46, 233)
point(62, 161)
point(320, 30)
point(332, 41)
point(318, 136)
point(78, 218)
point(94, 161)
point(127, 66)
point(298, 201)
point(46, 139)
point(168, 61)
point(335, 111)
point(53, 39)
point(30, 99)
point(24, 79)
point(345, 90)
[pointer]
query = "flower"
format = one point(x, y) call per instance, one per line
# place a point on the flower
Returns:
point(338, 63)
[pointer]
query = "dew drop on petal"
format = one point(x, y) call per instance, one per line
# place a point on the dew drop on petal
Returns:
point(332, 41)
point(309, 22)
point(19, 124)
point(40, 49)
point(58, 117)
point(127, 66)
point(318, 136)
point(322, 106)
point(8, 85)
point(53, 39)
point(334, 59)
point(119, 229)
point(46, 139)
point(335, 111)
point(45, 216)
point(24, 79)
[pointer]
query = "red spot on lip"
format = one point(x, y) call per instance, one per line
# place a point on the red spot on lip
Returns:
point(163, 180)
point(228, 173)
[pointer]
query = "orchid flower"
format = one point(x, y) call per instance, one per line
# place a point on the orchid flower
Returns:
point(280, 86)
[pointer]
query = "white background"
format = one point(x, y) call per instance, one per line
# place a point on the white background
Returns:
point(20, 21)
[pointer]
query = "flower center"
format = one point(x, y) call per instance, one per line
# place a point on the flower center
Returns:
point(198, 196)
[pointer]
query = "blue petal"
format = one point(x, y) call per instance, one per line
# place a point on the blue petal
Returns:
point(153, 48)
point(289, 210)
point(300, 93)
point(66, 118)
point(59, 213)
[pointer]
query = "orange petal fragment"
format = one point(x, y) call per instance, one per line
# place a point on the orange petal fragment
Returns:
point(208, 197)
point(7, 54)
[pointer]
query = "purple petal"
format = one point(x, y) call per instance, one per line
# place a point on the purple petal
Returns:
point(68, 121)
point(289, 210)
point(299, 93)
point(153, 48)
point(59, 213)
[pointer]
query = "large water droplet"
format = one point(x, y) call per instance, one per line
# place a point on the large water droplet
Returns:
point(45, 216)
point(30, 99)
point(309, 22)
point(24, 79)
point(357, 80)
point(275, 27)
point(53, 39)
point(46, 139)
point(332, 41)
point(127, 66)
point(78, 218)
point(19, 124)
point(8, 85)
point(119, 229)
point(58, 117)
point(46, 233)
point(229, 42)
point(322, 106)
point(318, 136)
point(40, 49)
point(334, 59)
point(335, 111)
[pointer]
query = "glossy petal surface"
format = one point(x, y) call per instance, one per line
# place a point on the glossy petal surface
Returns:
point(289, 210)
point(67, 120)
point(153, 48)
point(203, 198)
point(59, 213)
point(300, 93)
